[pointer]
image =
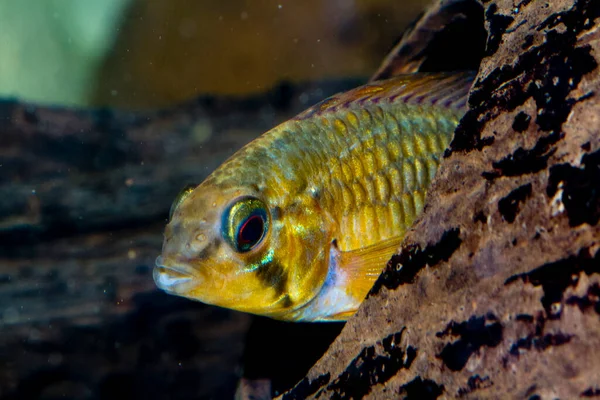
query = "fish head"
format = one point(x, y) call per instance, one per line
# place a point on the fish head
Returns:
point(236, 248)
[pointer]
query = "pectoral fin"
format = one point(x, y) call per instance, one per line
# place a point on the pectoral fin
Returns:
point(351, 276)
point(363, 266)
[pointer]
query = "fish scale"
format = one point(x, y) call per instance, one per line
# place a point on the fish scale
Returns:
point(364, 150)
point(340, 183)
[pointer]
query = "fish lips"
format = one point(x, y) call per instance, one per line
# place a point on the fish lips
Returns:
point(177, 279)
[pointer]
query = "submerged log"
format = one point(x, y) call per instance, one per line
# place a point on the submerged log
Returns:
point(495, 290)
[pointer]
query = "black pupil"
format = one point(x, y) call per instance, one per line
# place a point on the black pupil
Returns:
point(251, 231)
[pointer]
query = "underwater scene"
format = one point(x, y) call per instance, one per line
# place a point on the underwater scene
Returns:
point(108, 109)
point(313, 199)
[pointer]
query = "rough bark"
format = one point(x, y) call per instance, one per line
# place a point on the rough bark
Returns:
point(83, 200)
point(495, 290)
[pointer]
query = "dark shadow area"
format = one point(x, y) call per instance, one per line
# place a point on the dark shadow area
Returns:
point(461, 44)
point(284, 351)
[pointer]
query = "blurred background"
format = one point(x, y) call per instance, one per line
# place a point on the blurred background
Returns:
point(137, 54)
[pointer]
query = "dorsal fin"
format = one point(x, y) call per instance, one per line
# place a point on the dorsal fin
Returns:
point(441, 89)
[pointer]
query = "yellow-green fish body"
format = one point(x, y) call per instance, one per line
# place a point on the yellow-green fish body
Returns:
point(298, 224)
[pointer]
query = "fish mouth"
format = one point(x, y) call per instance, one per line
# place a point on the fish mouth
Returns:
point(173, 278)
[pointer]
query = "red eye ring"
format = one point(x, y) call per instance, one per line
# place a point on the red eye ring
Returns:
point(250, 232)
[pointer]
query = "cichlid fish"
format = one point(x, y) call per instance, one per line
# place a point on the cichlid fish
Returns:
point(299, 223)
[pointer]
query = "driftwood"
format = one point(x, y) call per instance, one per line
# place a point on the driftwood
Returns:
point(495, 292)
point(84, 196)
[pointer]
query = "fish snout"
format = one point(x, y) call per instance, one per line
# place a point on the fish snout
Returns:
point(174, 278)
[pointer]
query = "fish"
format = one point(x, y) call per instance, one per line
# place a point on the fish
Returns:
point(298, 224)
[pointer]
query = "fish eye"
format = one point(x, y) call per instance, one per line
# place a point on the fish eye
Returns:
point(245, 224)
point(181, 196)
